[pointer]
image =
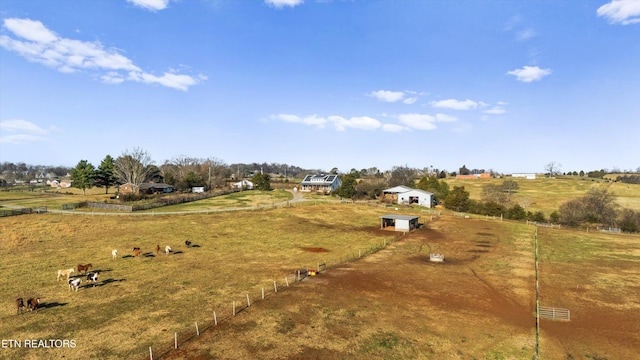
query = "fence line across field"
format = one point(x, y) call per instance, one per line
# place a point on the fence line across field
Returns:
point(241, 303)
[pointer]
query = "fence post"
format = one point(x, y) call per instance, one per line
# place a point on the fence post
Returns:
point(275, 287)
point(197, 331)
point(215, 318)
point(286, 280)
point(248, 303)
point(175, 340)
point(234, 308)
point(150, 353)
point(263, 293)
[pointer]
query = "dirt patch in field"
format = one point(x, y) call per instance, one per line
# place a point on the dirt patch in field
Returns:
point(315, 249)
point(396, 304)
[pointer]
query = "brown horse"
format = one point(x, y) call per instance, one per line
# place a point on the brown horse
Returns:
point(84, 268)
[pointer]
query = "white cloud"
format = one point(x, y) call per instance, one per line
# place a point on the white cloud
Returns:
point(360, 122)
point(418, 121)
point(22, 131)
point(38, 44)
point(152, 5)
point(387, 96)
point(623, 12)
point(496, 110)
point(282, 3)
point(455, 104)
point(445, 118)
point(308, 120)
point(525, 34)
point(340, 123)
point(394, 128)
point(410, 100)
point(529, 73)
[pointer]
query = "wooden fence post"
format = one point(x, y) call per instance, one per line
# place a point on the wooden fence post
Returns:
point(175, 340)
point(286, 280)
point(275, 286)
point(150, 353)
point(215, 318)
point(262, 293)
point(197, 331)
point(234, 308)
point(248, 302)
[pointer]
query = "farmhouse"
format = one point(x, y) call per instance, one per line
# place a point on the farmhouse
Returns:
point(321, 183)
point(244, 184)
point(408, 196)
point(400, 222)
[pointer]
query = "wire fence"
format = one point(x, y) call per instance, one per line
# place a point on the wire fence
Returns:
point(253, 297)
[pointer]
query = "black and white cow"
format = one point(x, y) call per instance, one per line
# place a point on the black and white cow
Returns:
point(187, 243)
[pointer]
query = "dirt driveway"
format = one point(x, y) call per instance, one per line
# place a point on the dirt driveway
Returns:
point(395, 304)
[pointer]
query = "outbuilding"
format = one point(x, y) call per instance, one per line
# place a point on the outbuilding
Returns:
point(416, 196)
point(400, 222)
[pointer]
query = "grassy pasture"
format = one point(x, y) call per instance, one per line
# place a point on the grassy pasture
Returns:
point(140, 301)
point(546, 195)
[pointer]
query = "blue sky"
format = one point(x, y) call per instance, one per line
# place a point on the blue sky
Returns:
point(503, 85)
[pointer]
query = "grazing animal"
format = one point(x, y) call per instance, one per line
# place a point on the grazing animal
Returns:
point(84, 268)
point(114, 254)
point(32, 304)
point(66, 272)
point(187, 243)
point(20, 305)
point(157, 249)
point(167, 250)
point(74, 283)
point(136, 252)
point(93, 277)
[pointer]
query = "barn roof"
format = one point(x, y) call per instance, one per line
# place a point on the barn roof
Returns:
point(399, 217)
point(397, 189)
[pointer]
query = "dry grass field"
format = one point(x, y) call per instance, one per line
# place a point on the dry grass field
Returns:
point(478, 304)
point(394, 304)
point(546, 195)
point(140, 300)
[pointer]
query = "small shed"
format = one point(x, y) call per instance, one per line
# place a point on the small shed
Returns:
point(400, 222)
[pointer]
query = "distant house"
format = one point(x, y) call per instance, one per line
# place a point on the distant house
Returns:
point(145, 188)
point(244, 184)
point(528, 176)
point(474, 176)
point(408, 196)
point(320, 183)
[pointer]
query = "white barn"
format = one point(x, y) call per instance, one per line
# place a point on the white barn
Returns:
point(408, 196)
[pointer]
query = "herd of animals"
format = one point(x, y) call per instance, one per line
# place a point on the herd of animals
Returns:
point(74, 282)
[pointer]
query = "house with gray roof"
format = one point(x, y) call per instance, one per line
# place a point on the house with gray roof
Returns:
point(320, 183)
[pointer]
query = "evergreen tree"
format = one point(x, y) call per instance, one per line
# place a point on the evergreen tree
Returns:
point(83, 176)
point(261, 181)
point(348, 187)
point(106, 174)
point(458, 199)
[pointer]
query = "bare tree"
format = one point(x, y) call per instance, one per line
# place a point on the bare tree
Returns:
point(133, 167)
point(552, 168)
